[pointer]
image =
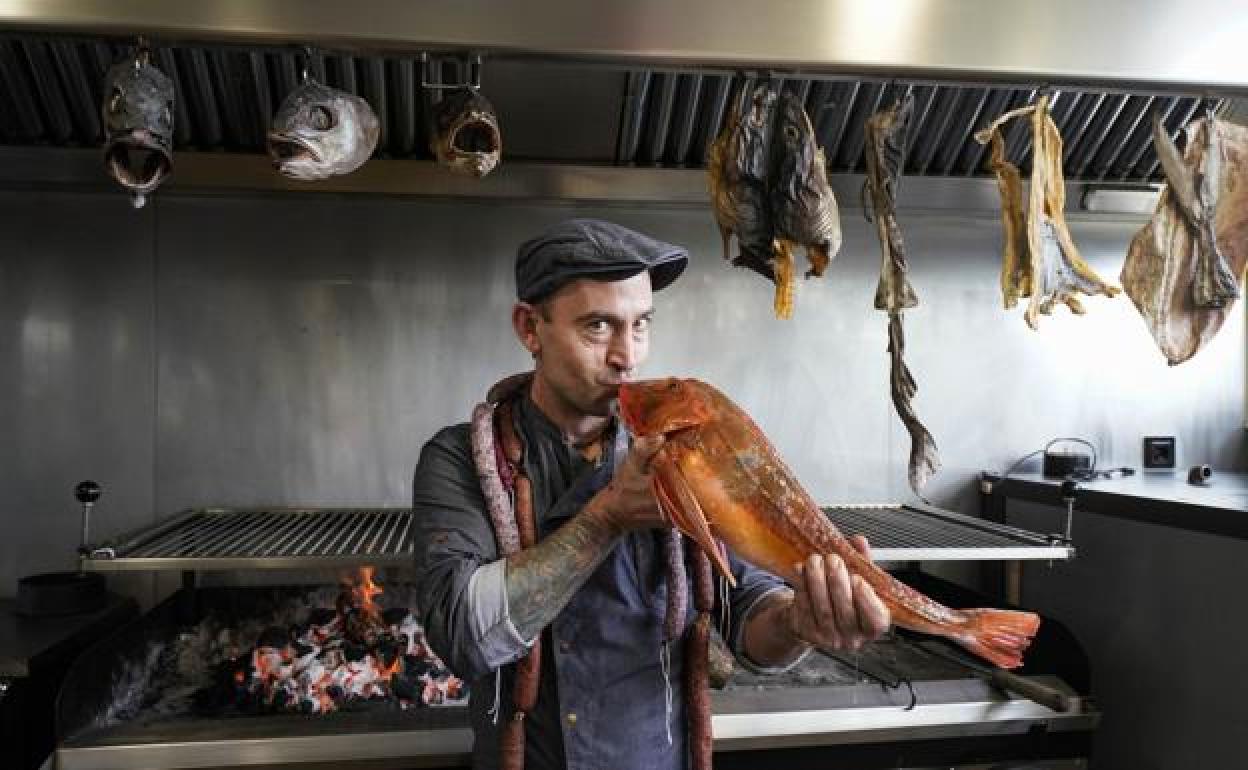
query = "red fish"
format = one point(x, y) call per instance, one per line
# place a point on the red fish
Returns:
point(717, 476)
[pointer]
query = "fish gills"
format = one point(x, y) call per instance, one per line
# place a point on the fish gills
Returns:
point(743, 494)
point(1171, 268)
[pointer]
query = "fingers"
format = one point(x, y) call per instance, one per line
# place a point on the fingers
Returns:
point(835, 609)
point(841, 599)
point(872, 613)
point(860, 545)
point(822, 615)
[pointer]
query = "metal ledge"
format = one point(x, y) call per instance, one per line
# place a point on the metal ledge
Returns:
point(792, 717)
point(1158, 43)
point(206, 173)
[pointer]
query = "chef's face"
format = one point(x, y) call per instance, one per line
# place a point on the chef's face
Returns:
point(587, 338)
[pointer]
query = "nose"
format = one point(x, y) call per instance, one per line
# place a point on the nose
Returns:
point(622, 353)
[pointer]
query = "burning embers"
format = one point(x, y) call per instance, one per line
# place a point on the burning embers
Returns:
point(335, 657)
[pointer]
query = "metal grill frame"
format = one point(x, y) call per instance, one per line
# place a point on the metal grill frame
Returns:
point(263, 538)
point(901, 532)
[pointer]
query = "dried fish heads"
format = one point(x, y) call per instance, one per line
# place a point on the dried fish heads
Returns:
point(464, 134)
point(1041, 259)
point(803, 208)
point(320, 132)
point(1183, 268)
point(138, 126)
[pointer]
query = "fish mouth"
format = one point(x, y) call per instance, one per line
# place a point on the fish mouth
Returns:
point(138, 160)
point(474, 145)
point(286, 149)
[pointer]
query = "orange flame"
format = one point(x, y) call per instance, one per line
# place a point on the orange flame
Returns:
point(364, 590)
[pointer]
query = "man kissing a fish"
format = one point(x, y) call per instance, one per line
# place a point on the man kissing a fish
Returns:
point(547, 575)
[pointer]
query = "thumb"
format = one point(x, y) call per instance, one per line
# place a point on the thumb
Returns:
point(645, 447)
point(860, 545)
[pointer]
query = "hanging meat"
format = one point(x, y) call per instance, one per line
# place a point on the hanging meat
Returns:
point(887, 133)
point(1183, 268)
point(769, 188)
point(1041, 260)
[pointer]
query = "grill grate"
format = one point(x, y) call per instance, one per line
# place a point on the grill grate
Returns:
point(214, 538)
point(285, 538)
point(922, 533)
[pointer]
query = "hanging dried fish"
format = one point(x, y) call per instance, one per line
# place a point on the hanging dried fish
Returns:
point(464, 134)
point(803, 208)
point(1045, 265)
point(769, 188)
point(1182, 268)
point(887, 134)
point(138, 125)
point(320, 132)
point(737, 168)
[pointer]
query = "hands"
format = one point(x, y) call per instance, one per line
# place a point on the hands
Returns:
point(833, 609)
point(628, 502)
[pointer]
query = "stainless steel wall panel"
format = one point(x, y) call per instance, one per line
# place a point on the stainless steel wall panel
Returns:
point(76, 363)
point(302, 348)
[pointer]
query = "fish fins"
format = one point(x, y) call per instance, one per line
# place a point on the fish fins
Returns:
point(999, 636)
point(682, 507)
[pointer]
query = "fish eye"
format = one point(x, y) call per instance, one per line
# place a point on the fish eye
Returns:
point(114, 102)
point(322, 118)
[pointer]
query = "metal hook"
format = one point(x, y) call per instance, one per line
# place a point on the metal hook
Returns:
point(472, 83)
point(307, 61)
point(142, 52)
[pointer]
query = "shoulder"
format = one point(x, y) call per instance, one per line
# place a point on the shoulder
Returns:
point(447, 455)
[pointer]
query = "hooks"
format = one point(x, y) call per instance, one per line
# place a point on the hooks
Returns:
point(142, 52)
point(472, 83)
point(307, 62)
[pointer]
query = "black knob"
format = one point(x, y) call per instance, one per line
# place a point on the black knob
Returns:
point(87, 492)
point(1069, 488)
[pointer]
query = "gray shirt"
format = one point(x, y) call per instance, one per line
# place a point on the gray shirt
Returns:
point(602, 701)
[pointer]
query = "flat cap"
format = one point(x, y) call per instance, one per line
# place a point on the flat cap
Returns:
point(592, 248)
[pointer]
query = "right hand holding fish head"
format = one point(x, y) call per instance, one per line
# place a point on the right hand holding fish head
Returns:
point(628, 503)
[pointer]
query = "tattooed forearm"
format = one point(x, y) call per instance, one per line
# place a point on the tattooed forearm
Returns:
point(542, 579)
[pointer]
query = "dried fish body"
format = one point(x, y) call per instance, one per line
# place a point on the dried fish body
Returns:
point(319, 132)
point(887, 134)
point(1051, 259)
point(738, 166)
point(1185, 238)
point(803, 207)
point(138, 126)
point(464, 135)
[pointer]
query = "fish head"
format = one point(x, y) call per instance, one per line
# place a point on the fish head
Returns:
point(464, 135)
point(320, 132)
point(660, 407)
point(137, 114)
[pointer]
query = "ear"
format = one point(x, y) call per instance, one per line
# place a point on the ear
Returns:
point(524, 319)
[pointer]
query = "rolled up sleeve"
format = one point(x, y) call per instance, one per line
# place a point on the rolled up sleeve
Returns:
point(460, 580)
point(754, 588)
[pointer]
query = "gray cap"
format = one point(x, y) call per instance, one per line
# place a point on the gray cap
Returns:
point(592, 248)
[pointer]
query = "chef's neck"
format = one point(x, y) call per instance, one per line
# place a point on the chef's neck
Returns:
point(578, 428)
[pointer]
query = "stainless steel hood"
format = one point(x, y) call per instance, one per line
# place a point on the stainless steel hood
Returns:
point(642, 84)
point(1149, 43)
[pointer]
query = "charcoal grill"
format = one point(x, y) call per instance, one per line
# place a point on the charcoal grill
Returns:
point(957, 716)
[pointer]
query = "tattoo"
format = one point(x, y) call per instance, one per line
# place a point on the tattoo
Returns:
point(541, 580)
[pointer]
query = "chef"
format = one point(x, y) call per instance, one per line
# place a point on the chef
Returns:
point(593, 586)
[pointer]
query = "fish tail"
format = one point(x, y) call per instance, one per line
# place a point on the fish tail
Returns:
point(999, 636)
